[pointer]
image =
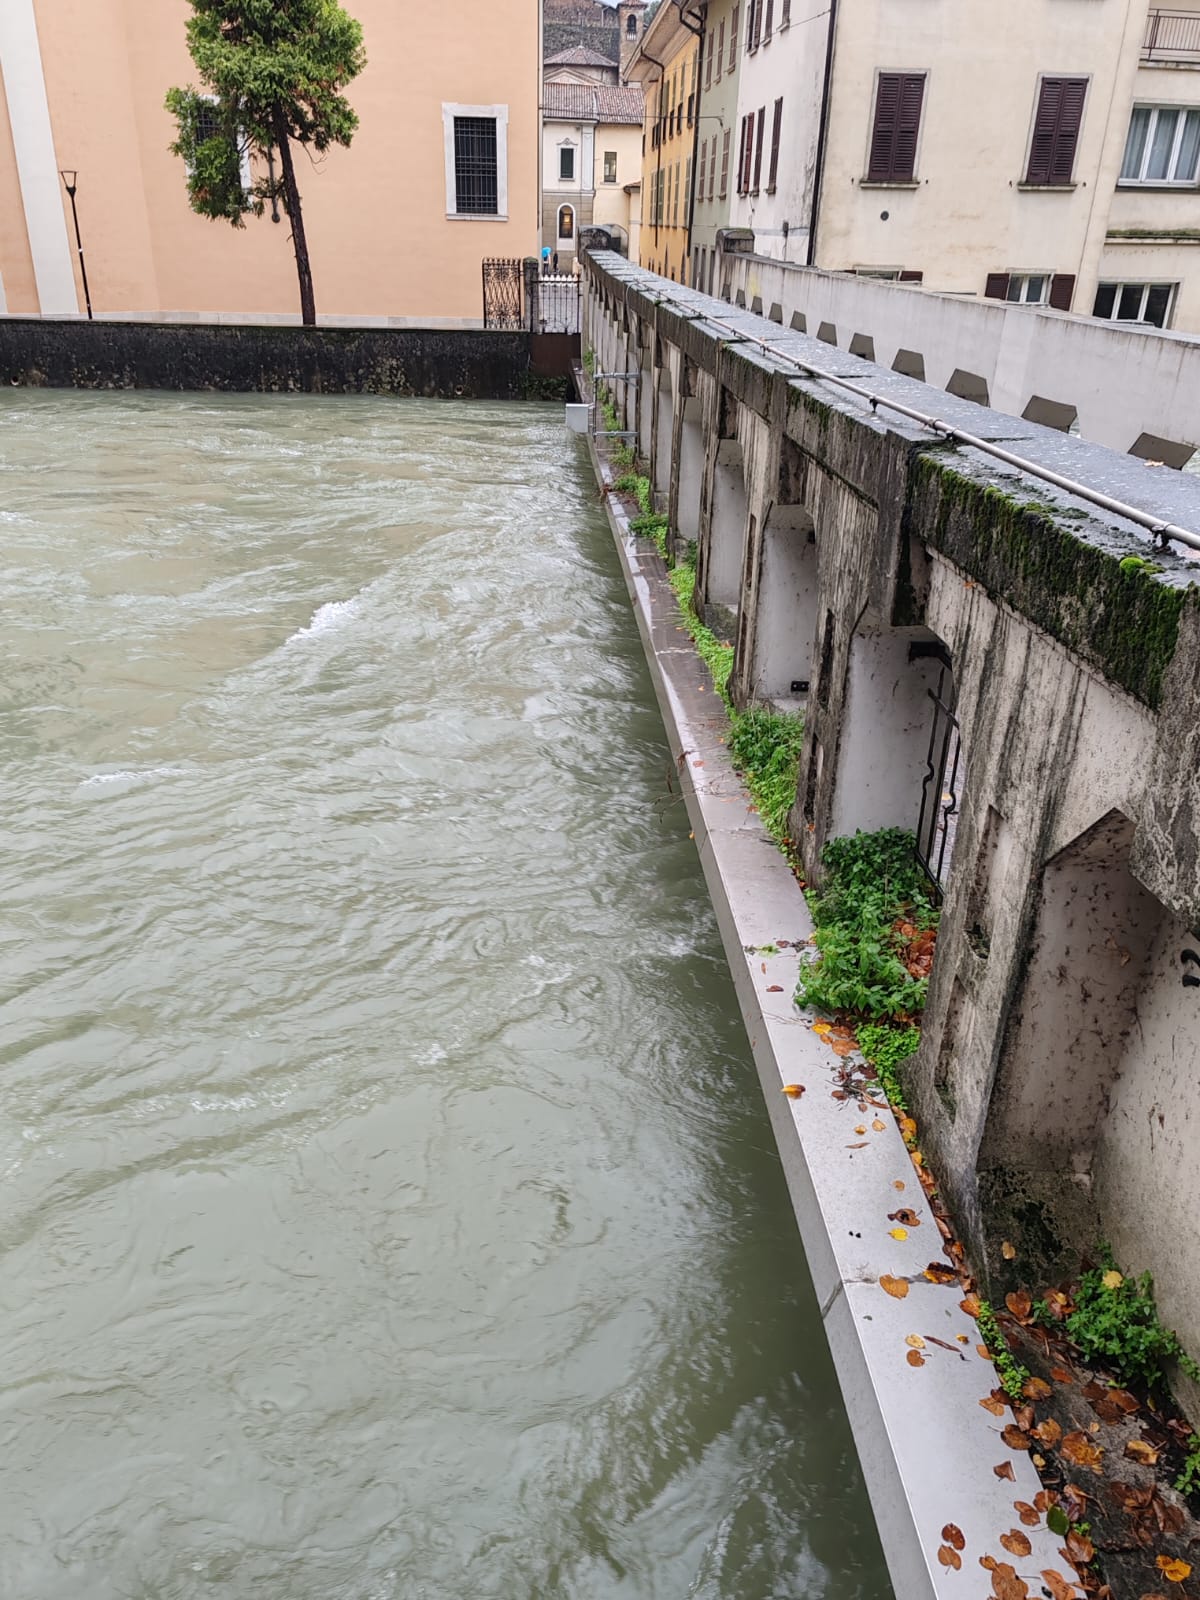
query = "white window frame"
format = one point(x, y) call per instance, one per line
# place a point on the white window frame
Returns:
point(614, 154)
point(1142, 182)
point(244, 154)
point(1022, 277)
point(568, 144)
point(1121, 284)
point(500, 113)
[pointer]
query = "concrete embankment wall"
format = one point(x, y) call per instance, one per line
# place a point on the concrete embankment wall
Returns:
point(444, 363)
point(1016, 670)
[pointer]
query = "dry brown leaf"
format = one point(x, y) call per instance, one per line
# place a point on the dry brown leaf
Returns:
point(1080, 1548)
point(896, 1287)
point(1016, 1543)
point(1014, 1438)
point(1139, 1450)
point(1173, 1569)
point(1006, 1584)
point(1004, 1469)
point(1026, 1513)
point(938, 1272)
point(1058, 1586)
point(1077, 1447)
point(996, 1407)
point(775, 988)
point(1061, 1375)
point(915, 1358)
point(898, 1183)
point(953, 1534)
point(793, 1090)
point(1048, 1433)
point(1008, 1251)
point(949, 1558)
point(906, 1215)
point(983, 1350)
point(1020, 1303)
point(878, 1126)
point(970, 1305)
point(1036, 1389)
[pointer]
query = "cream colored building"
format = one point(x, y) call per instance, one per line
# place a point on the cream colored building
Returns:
point(394, 228)
point(1049, 155)
point(591, 150)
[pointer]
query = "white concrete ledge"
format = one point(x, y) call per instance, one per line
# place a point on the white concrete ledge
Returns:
point(927, 1447)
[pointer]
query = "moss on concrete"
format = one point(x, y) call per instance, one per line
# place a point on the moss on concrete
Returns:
point(1123, 620)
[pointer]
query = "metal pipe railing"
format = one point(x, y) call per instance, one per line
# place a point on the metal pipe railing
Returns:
point(1156, 525)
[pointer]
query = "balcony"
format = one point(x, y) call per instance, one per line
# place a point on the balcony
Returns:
point(1172, 38)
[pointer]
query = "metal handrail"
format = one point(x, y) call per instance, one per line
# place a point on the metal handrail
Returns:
point(1172, 34)
point(1144, 519)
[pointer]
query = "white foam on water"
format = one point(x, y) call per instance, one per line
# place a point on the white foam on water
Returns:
point(331, 615)
point(147, 775)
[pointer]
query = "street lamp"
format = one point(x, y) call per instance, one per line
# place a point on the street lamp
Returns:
point(69, 179)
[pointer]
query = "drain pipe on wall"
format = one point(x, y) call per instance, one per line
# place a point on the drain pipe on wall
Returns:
point(822, 136)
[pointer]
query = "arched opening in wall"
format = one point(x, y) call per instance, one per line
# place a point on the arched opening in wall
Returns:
point(776, 312)
point(726, 540)
point(862, 344)
point(566, 227)
point(1051, 413)
point(968, 386)
point(691, 471)
point(910, 363)
point(827, 333)
point(631, 27)
point(799, 323)
point(1087, 1129)
point(783, 642)
point(900, 760)
point(1172, 454)
point(739, 299)
point(663, 434)
point(756, 305)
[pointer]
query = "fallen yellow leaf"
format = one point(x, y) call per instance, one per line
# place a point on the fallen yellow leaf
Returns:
point(915, 1340)
point(1007, 1250)
point(878, 1126)
point(1173, 1569)
point(898, 1233)
point(793, 1090)
point(1112, 1280)
point(896, 1287)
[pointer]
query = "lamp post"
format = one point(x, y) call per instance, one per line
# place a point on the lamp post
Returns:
point(69, 179)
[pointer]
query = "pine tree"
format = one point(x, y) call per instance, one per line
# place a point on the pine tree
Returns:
point(272, 72)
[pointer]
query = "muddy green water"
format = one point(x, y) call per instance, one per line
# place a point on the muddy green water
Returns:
point(387, 1206)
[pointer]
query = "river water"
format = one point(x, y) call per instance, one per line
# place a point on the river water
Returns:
point(387, 1206)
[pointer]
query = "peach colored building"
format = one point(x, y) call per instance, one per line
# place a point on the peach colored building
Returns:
point(389, 230)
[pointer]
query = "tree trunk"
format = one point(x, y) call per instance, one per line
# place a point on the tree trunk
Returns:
point(291, 202)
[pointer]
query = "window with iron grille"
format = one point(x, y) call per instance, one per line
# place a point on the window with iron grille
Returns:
point(1056, 131)
point(1163, 145)
point(899, 97)
point(476, 168)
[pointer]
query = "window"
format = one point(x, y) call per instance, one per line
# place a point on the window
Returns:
point(703, 168)
point(753, 24)
point(733, 36)
point(1163, 145)
point(785, 15)
point(208, 126)
point(566, 162)
point(687, 189)
point(720, 47)
point(566, 222)
point(898, 100)
point(675, 208)
point(610, 166)
point(762, 117)
point(1056, 131)
point(631, 27)
point(746, 155)
point(776, 125)
point(725, 140)
point(768, 20)
point(1135, 302)
point(706, 44)
point(476, 157)
point(712, 166)
point(1055, 289)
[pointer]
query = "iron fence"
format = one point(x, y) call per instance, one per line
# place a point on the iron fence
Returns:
point(556, 304)
point(1172, 36)
point(504, 293)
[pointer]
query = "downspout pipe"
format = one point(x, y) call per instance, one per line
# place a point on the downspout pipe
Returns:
point(822, 136)
point(662, 72)
point(695, 25)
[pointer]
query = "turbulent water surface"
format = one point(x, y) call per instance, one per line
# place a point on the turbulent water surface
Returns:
point(387, 1205)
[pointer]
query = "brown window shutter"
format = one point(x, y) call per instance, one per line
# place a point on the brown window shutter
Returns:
point(706, 44)
point(776, 127)
point(734, 26)
point(725, 141)
point(911, 277)
point(1062, 290)
point(769, 20)
point(762, 118)
point(996, 287)
point(746, 159)
point(1056, 130)
point(898, 100)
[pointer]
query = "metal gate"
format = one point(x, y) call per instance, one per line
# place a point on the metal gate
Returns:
point(939, 791)
point(556, 304)
point(503, 293)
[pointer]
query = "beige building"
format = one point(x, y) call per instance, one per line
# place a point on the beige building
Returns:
point(443, 170)
point(591, 152)
point(1049, 157)
point(666, 66)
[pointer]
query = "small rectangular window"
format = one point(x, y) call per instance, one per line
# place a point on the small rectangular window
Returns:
point(776, 127)
point(899, 97)
point(566, 162)
point(720, 47)
point(725, 143)
point(1148, 303)
point(476, 167)
point(753, 23)
point(1028, 288)
point(707, 46)
point(610, 166)
point(1163, 145)
point(733, 36)
point(785, 15)
point(703, 168)
point(1056, 126)
point(769, 20)
point(758, 151)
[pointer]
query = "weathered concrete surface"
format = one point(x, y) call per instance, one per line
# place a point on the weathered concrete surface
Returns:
point(927, 1446)
point(1058, 1082)
point(441, 362)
